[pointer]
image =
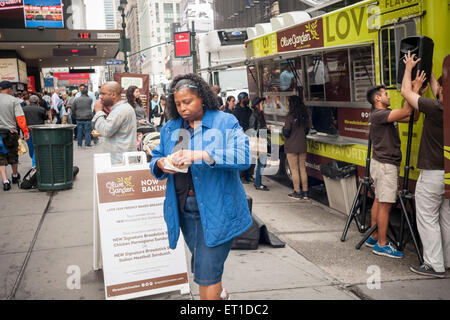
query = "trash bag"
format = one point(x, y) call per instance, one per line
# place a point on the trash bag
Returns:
point(337, 170)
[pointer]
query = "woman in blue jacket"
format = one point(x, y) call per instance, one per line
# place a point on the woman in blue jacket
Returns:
point(208, 202)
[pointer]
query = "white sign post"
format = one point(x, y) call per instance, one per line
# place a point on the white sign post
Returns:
point(130, 235)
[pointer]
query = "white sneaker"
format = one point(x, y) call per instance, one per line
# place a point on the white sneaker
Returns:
point(224, 295)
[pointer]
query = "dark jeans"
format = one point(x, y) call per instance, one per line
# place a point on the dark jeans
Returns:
point(259, 167)
point(75, 131)
point(84, 128)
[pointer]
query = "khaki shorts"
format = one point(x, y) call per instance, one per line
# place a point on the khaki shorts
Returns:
point(385, 181)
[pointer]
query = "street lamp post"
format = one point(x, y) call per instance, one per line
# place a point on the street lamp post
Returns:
point(125, 44)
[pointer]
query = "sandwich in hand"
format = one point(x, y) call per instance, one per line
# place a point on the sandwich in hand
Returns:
point(169, 165)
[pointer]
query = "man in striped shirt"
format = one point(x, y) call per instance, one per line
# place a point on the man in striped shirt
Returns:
point(119, 126)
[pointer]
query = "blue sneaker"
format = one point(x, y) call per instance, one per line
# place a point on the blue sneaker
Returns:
point(388, 251)
point(371, 242)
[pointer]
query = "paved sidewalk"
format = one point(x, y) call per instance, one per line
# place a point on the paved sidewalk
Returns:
point(43, 234)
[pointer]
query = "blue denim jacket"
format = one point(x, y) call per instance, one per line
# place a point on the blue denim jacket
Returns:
point(220, 195)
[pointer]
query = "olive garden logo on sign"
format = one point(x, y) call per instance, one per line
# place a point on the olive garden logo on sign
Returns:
point(120, 187)
point(129, 185)
point(304, 36)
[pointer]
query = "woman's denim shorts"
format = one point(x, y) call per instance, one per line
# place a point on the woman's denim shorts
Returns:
point(206, 262)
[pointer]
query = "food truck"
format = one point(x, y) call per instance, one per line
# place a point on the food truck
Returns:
point(219, 47)
point(332, 60)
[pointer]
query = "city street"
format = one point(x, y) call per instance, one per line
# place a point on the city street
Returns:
point(44, 235)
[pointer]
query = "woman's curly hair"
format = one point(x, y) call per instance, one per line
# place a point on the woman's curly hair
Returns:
point(198, 86)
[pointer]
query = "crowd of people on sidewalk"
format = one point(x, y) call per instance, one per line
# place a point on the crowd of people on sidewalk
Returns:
point(197, 173)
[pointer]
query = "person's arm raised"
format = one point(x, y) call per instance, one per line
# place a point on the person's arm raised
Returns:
point(407, 90)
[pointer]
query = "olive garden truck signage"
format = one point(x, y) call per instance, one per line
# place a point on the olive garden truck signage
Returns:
point(304, 36)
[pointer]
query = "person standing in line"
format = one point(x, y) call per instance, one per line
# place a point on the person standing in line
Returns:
point(196, 202)
point(34, 115)
point(258, 122)
point(118, 128)
point(11, 113)
point(432, 209)
point(230, 104)
point(82, 113)
point(242, 112)
point(295, 130)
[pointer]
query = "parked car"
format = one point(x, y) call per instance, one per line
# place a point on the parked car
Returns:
point(49, 17)
point(39, 17)
point(29, 17)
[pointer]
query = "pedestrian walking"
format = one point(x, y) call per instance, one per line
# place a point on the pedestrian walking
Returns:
point(34, 115)
point(296, 127)
point(82, 113)
point(242, 112)
point(118, 128)
point(159, 115)
point(11, 113)
point(208, 202)
point(55, 102)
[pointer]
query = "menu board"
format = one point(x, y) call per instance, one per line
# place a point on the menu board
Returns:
point(137, 260)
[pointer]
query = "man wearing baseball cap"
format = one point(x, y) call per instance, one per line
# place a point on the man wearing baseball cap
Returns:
point(10, 113)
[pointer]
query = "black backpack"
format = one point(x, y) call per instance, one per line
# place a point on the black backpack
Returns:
point(29, 180)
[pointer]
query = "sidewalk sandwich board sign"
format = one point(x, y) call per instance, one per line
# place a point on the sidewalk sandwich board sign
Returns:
point(130, 235)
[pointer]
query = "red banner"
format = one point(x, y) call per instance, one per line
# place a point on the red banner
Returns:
point(182, 44)
point(78, 81)
point(31, 87)
point(68, 76)
point(11, 4)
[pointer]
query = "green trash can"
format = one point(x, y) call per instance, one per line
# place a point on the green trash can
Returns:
point(53, 149)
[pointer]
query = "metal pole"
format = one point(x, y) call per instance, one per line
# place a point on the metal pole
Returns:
point(193, 49)
point(125, 59)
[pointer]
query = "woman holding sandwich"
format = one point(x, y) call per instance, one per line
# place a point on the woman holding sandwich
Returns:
point(200, 154)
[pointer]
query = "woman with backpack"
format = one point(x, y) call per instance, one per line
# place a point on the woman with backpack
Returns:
point(295, 129)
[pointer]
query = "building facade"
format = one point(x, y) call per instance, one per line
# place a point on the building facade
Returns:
point(199, 11)
point(132, 30)
point(155, 20)
point(230, 14)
